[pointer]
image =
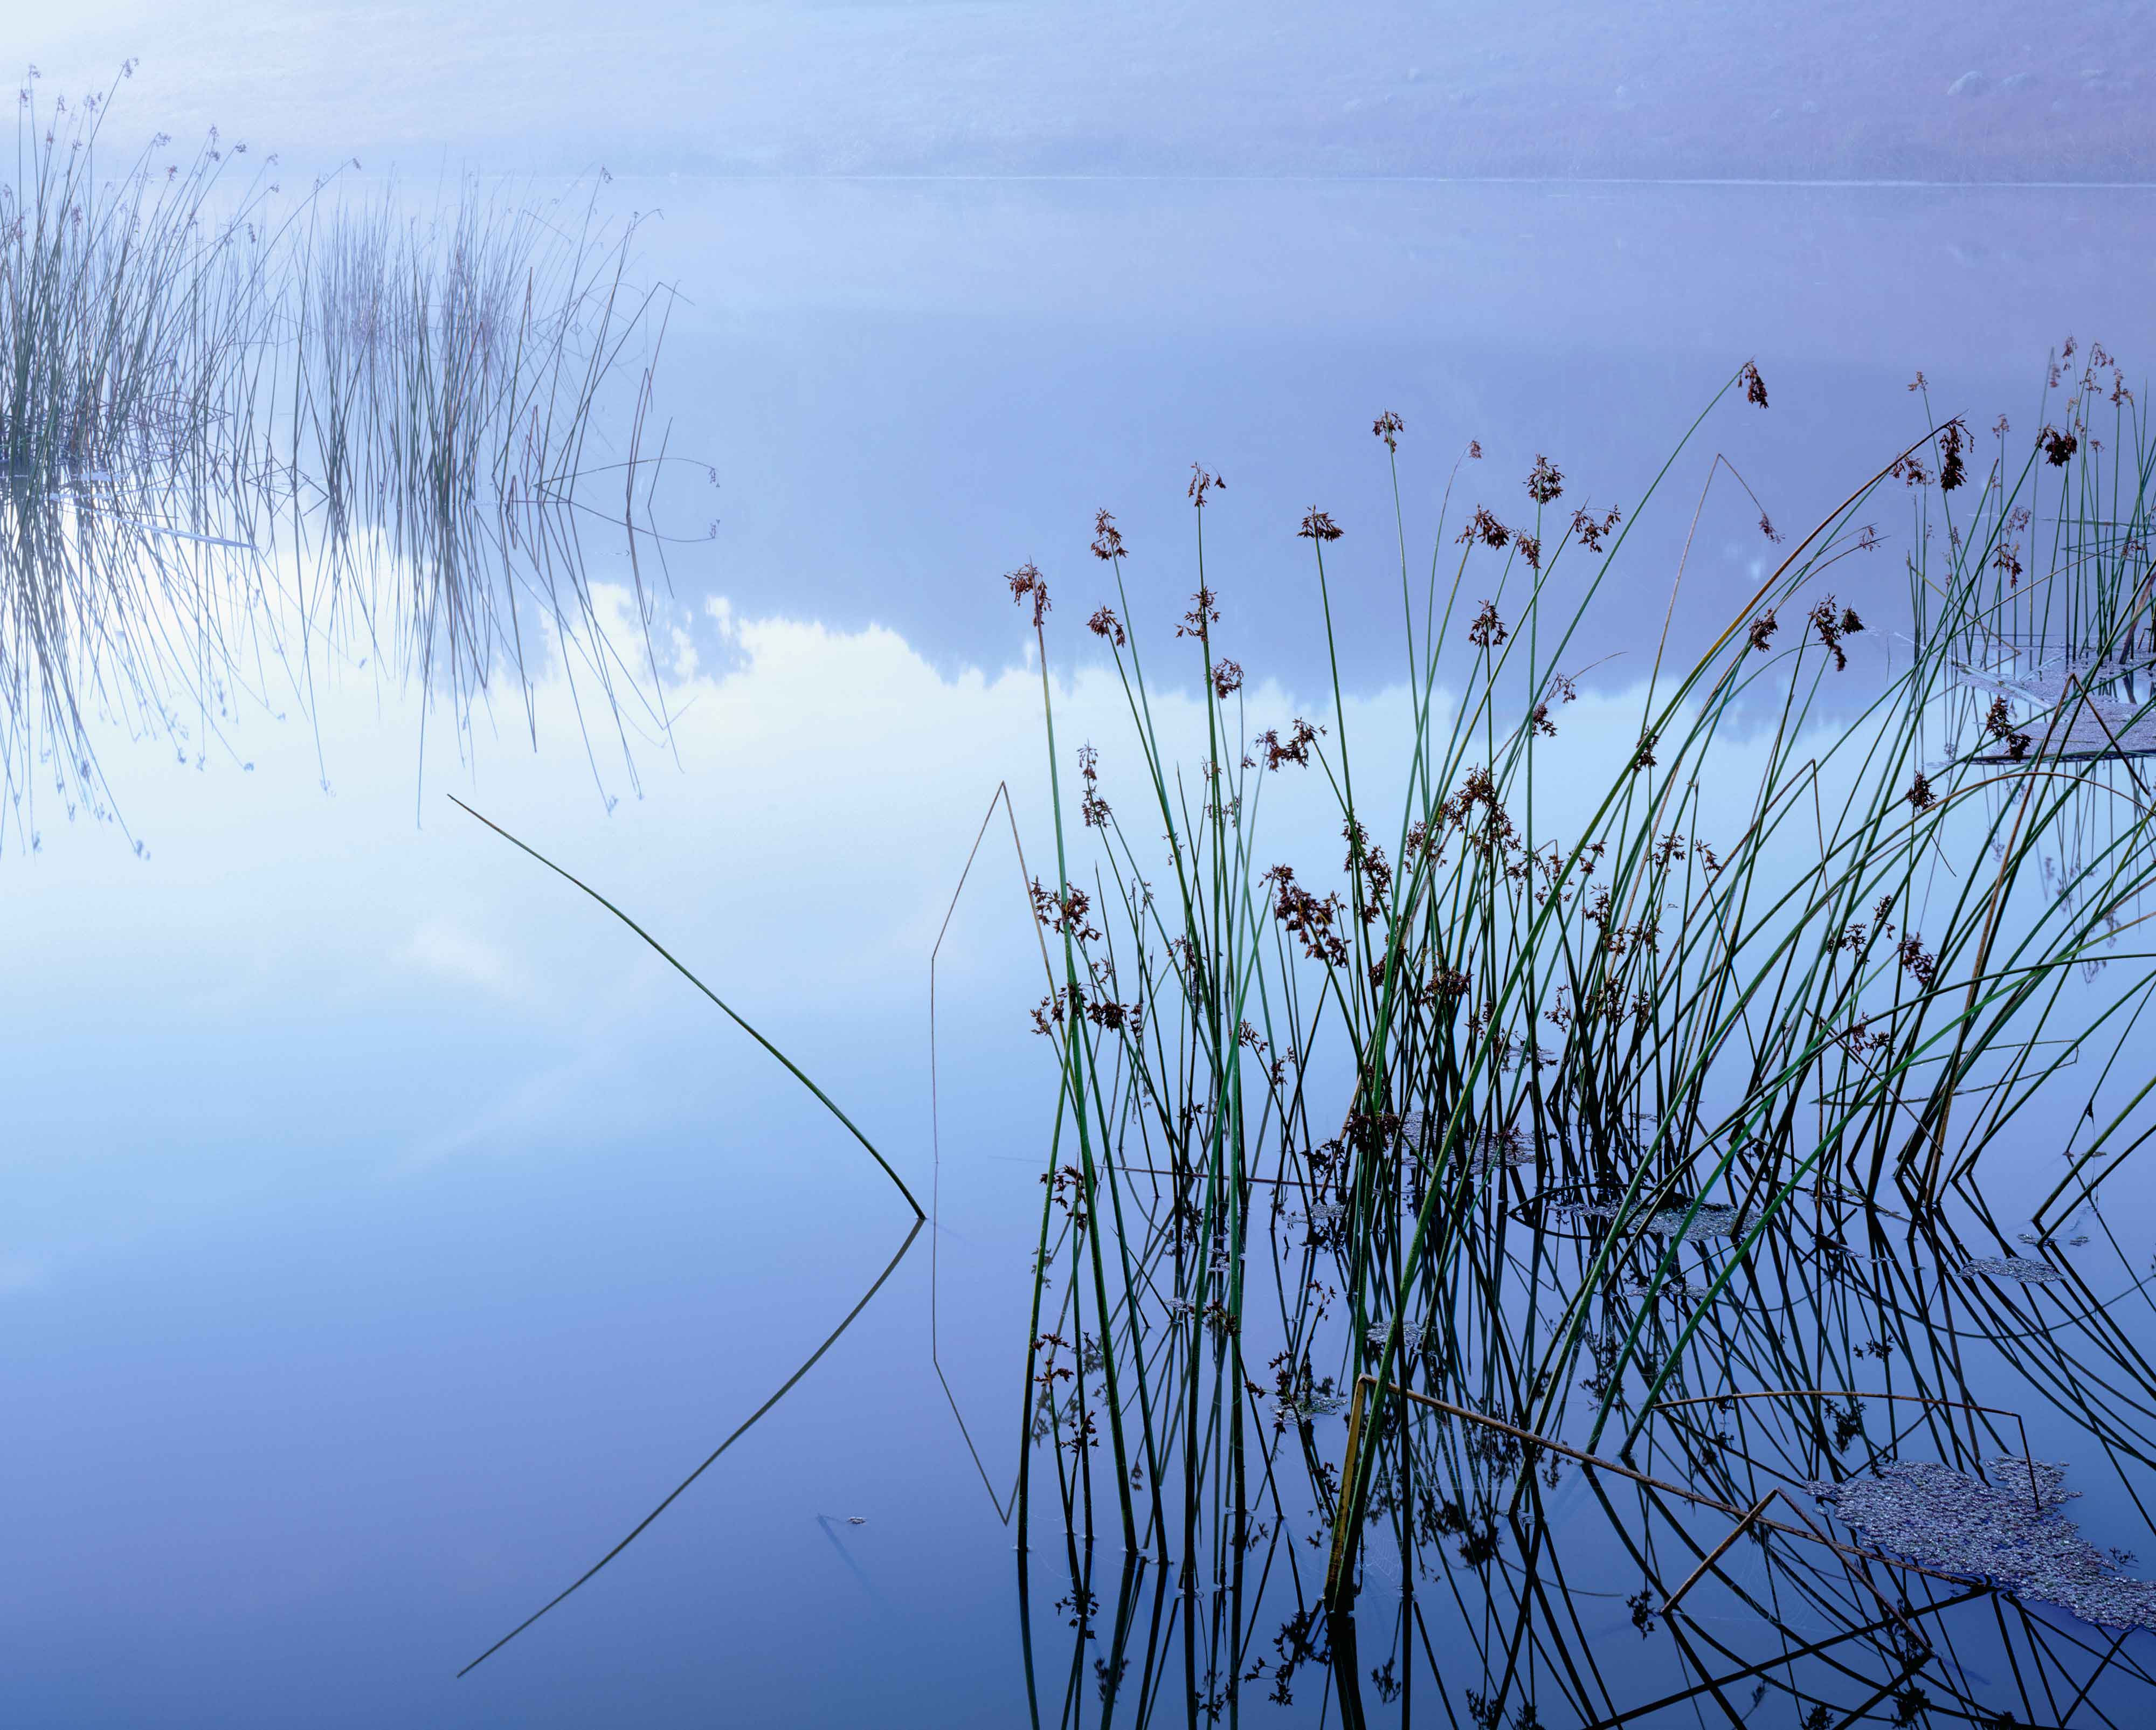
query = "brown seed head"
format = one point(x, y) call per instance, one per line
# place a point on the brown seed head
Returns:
point(1999, 723)
point(1108, 538)
point(1486, 528)
point(1953, 471)
point(1826, 620)
point(1294, 749)
point(1592, 531)
point(1026, 580)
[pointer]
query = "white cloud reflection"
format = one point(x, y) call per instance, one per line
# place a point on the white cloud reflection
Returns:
point(371, 968)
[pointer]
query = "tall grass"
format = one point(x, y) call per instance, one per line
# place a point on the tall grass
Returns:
point(134, 306)
point(369, 425)
point(1803, 939)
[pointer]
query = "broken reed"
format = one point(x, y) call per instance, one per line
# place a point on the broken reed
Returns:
point(1631, 1017)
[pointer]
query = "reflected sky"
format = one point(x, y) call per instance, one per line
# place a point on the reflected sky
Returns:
point(919, 387)
point(385, 1230)
point(389, 1231)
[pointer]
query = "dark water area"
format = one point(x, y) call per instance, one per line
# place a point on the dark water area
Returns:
point(388, 1232)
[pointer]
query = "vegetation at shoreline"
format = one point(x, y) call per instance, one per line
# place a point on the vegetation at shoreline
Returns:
point(1589, 1215)
point(1596, 1084)
point(239, 429)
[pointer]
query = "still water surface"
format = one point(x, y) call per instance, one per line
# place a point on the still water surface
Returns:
point(388, 1232)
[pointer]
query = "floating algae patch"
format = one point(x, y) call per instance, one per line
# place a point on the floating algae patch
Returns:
point(2020, 1269)
point(1488, 1149)
point(1947, 1520)
point(1319, 1402)
point(1323, 1217)
point(1413, 1335)
point(1714, 1219)
point(1496, 1152)
point(1673, 1289)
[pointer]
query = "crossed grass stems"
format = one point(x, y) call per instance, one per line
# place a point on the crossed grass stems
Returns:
point(1799, 1019)
point(1498, 1566)
point(237, 430)
point(1568, 1061)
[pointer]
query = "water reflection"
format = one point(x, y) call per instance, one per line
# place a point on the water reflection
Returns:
point(1627, 1195)
point(557, 1295)
point(1836, 1542)
point(712, 1459)
point(244, 434)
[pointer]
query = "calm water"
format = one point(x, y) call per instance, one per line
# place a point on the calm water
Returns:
point(387, 1232)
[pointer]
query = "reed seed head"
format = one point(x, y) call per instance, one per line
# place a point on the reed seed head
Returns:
point(1108, 538)
point(1026, 581)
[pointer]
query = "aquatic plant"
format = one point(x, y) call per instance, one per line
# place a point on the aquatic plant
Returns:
point(237, 428)
point(1719, 1027)
point(133, 310)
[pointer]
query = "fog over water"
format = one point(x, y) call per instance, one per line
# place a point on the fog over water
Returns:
point(386, 1230)
point(1685, 88)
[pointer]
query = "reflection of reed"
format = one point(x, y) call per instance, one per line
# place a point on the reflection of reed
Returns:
point(1568, 1164)
point(711, 1459)
point(230, 436)
point(1491, 1579)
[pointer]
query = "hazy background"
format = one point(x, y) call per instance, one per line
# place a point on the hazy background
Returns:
point(1683, 89)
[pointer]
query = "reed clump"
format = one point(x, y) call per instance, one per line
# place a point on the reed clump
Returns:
point(134, 306)
point(1566, 1096)
point(238, 426)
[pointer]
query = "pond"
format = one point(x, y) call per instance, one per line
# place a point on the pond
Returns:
point(391, 1228)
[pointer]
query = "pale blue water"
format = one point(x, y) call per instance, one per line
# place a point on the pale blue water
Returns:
point(385, 1234)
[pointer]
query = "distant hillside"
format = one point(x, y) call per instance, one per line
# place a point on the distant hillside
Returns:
point(1832, 89)
point(1927, 90)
